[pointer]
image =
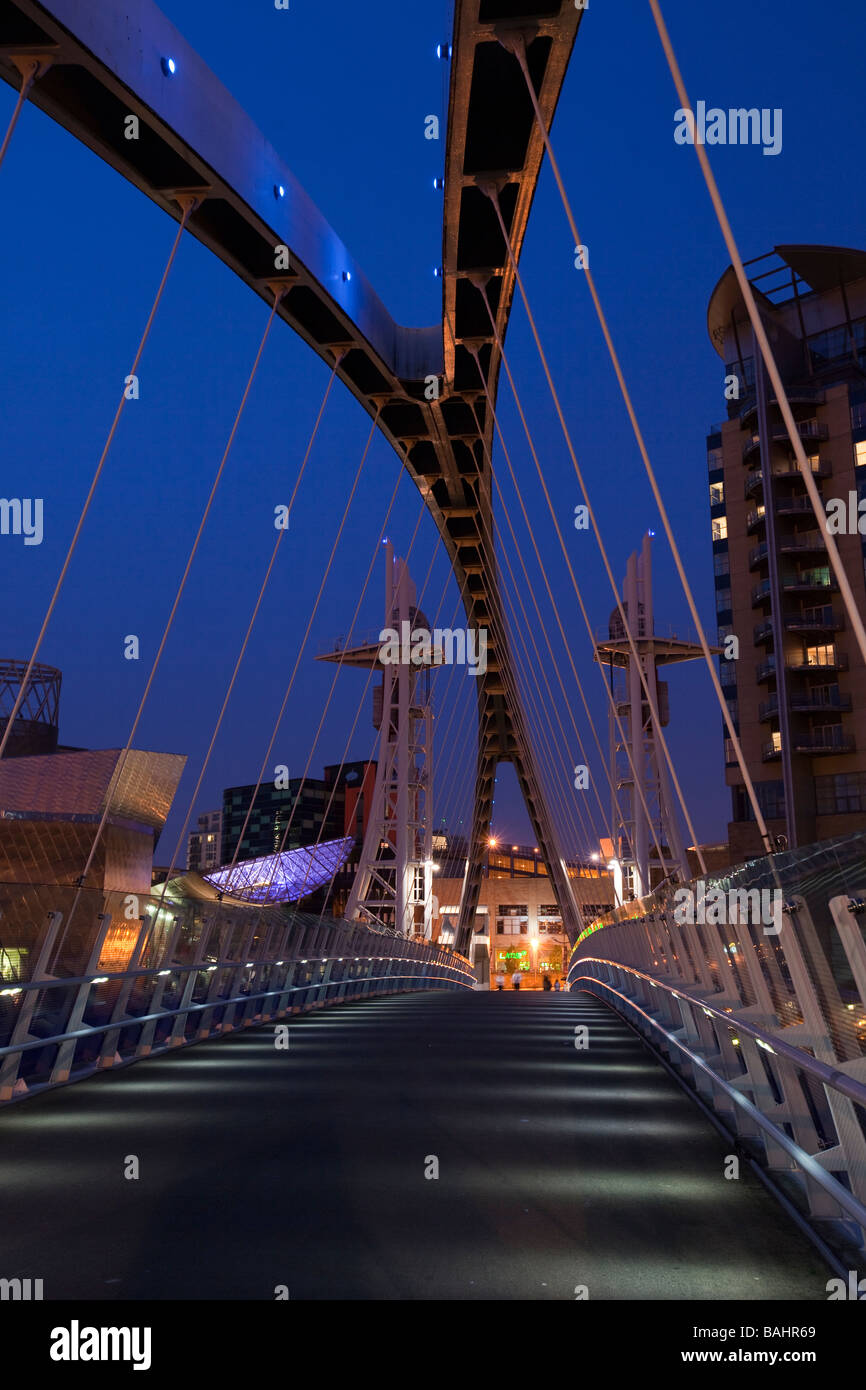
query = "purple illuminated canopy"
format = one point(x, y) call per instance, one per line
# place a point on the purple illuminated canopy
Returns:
point(282, 878)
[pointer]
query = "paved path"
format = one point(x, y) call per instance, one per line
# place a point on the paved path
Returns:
point(306, 1168)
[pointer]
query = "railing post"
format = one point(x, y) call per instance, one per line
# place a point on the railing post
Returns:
point(108, 1054)
point(10, 1083)
point(66, 1051)
point(145, 1041)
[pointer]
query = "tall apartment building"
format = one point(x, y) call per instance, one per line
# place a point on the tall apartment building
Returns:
point(204, 845)
point(796, 691)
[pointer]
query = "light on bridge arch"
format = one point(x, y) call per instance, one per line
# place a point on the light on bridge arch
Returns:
point(169, 66)
point(279, 191)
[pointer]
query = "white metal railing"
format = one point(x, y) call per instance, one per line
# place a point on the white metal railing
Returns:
point(202, 971)
point(754, 985)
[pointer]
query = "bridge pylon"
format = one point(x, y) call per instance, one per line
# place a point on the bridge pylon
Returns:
point(393, 886)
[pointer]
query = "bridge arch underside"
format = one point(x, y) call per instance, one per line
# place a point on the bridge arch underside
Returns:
point(194, 138)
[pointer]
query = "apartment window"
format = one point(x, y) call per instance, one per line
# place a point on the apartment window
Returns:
point(721, 562)
point(717, 494)
point(723, 600)
point(824, 695)
point(822, 614)
point(840, 793)
point(771, 799)
point(860, 450)
point(834, 344)
point(819, 576)
point(730, 754)
point(720, 528)
point(827, 735)
point(824, 655)
point(714, 459)
point(776, 740)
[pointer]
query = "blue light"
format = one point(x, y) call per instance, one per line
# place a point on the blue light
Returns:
point(169, 67)
point(438, 183)
point(279, 191)
point(437, 272)
point(347, 275)
point(281, 878)
point(443, 50)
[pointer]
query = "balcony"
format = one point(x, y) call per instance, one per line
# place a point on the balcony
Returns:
point(788, 470)
point(762, 632)
point(757, 554)
point(811, 541)
point(761, 593)
point(810, 432)
point(829, 740)
point(769, 751)
point(766, 671)
point(791, 469)
point(786, 506)
point(815, 620)
point(838, 661)
point(799, 395)
point(805, 702)
point(808, 580)
point(754, 482)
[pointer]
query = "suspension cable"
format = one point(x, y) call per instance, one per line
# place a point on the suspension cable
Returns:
point(585, 615)
point(658, 731)
point(302, 648)
point(30, 67)
point(764, 344)
point(520, 54)
point(254, 615)
point(542, 625)
point(188, 204)
point(171, 617)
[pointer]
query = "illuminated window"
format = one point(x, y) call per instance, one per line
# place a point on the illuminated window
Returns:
point(524, 866)
point(720, 528)
point(860, 453)
point(717, 494)
point(824, 655)
point(512, 919)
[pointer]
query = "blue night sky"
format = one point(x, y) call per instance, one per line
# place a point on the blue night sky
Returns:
point(341, 91)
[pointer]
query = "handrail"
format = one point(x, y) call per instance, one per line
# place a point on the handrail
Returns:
point(827, 1075)
point(815, 1171)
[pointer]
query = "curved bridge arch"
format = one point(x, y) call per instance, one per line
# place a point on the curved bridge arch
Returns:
point(194, 137)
